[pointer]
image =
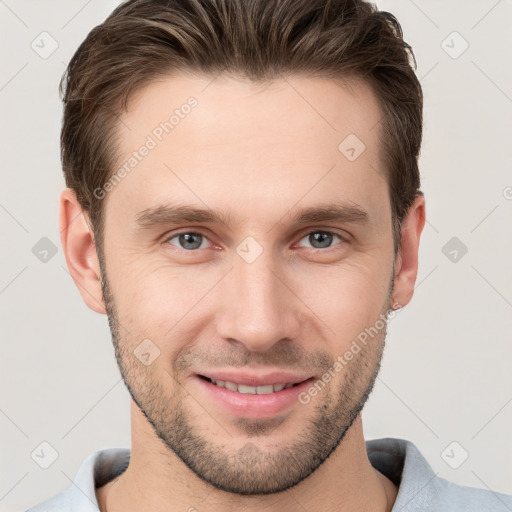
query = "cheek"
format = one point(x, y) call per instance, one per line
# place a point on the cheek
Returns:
point(155, 299)
point(347, 298)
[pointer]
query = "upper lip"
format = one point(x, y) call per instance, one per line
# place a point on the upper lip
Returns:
point(251, 379)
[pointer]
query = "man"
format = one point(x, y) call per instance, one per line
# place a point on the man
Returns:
point(244, 204)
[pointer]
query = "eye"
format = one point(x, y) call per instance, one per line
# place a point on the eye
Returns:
point(321, 239)
point(188, 240)
point(191, 240)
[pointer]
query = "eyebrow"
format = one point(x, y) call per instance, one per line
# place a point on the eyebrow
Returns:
point(168, 214)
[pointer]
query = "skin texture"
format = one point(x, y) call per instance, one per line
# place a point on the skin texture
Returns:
point(259, 153)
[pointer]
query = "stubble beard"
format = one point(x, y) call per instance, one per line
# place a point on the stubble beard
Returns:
point(249, 470)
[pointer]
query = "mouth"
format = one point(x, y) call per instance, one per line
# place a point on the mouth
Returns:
point(256, 396)
point(265, 389)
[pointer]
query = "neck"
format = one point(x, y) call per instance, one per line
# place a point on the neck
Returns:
point(159, 481)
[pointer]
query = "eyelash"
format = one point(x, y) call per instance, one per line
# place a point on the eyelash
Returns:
point(325, 231)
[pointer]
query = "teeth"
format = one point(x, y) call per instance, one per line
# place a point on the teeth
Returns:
point(231, 386)
point(251, 390)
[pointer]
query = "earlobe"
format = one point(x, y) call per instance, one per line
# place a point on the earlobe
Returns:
point(80, 251)
point(406, 264)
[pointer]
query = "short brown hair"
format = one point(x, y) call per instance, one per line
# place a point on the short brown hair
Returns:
point(256, 39)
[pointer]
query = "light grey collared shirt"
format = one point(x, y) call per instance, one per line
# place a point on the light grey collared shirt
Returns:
point(419, 489)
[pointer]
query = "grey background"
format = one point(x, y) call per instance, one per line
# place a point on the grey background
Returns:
point(447, 369)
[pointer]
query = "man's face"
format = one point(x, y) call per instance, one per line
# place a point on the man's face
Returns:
point(259, 292)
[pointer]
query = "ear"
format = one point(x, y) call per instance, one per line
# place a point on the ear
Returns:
point(406, 264)
point(77, 240)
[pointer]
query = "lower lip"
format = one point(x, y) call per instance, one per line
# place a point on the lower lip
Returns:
point(254, 406)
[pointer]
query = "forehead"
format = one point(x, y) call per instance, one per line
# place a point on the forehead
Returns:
point(247, 146)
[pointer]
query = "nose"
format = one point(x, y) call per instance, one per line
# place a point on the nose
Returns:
point(259, 307)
